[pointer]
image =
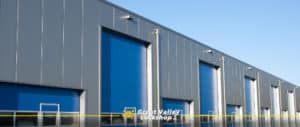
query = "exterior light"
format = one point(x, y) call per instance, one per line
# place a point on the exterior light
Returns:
point(249, 68)
point(127, 17)
point(209, 51)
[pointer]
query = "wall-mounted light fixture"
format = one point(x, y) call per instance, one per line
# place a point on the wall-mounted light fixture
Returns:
point(209, 51)
point(249, 68)
point(127, 17)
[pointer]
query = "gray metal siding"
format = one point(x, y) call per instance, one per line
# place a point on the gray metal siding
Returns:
point(195, 77)
point(171, 67)
point(119, 23)
point(8, 28)
point(90, 59)
point(265, 83)
point(234, 90)
point(180, 86)
point(297, 102)
point(175, 65)
point(105, 14)
point(188, 72)
point(146, 30)
point(52, 42)
point(164, 55)
point(72, 43)
point(133, 26)
point(47, 36)
point(29, 44)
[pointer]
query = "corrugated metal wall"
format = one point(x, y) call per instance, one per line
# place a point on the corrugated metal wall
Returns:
point(266, 81)
point(57, 43)
point(297, 96)
point(45, 43)
point(51, 43)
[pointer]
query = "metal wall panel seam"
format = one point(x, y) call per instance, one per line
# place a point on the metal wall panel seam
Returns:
point(81, 41)
point(168, 60)
point(184, 70)
point(138, 28)
point(176, 64)
point(296, 97)
point(63, 41)
point(42, 39)
point(191, 72)
point(17, 38)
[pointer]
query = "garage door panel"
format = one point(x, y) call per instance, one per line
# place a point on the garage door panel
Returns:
point(24, 97)
point(123, 73)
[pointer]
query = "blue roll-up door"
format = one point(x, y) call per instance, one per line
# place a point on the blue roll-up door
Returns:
point(208, 82)
point(123, 73)
point(183, 106)
point(207, 78)
point(231, 112)
point(249, 101)
point(124, 79)
point(248, 96)
point(175, 105)
point(29, 98)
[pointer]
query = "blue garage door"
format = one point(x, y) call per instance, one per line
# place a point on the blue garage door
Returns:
point(29, 98)
point(123, 76)
point(249, 101)
point(231, 112)
point(208, 82)
point(25, 100)
point(183, 106)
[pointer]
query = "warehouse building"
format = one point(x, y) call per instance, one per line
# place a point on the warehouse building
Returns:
point(89, 62)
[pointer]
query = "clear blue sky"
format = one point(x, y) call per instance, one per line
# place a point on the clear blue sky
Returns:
point(263, 33)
